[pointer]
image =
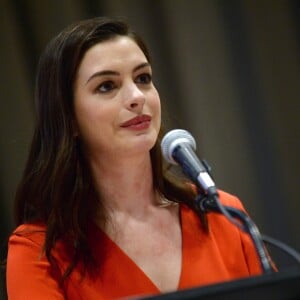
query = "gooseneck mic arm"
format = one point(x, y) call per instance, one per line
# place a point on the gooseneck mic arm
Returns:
point(178, 147)
point(207, 204)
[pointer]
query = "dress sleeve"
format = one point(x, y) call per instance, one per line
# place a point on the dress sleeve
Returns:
point(250, 254)
point(29, 274)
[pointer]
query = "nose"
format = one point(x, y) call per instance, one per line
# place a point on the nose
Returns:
point(134, 97)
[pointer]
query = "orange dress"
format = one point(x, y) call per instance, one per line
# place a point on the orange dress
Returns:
point(223, 254)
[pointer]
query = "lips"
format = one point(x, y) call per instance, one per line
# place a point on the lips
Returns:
point(139, 120)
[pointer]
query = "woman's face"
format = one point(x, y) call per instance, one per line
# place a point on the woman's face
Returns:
point(117, 107)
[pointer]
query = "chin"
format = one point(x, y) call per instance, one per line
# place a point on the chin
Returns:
point(144, 142)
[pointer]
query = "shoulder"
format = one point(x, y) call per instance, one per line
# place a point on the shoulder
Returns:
point(30, 227)
point(230, 200)
point(29, 274)
point(218, 224)
point(28, 234)
point(225, 198)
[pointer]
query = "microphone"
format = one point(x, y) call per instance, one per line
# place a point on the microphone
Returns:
point(178, 147)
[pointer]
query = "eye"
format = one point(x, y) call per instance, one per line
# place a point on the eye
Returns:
point(144, 78)
point(105, 87)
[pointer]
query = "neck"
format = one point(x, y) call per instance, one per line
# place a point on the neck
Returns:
point(125, 185)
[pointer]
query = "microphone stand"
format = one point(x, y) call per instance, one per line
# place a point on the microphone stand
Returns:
point(212, 204)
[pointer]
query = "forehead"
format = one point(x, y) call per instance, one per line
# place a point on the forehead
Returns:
point(114, 53)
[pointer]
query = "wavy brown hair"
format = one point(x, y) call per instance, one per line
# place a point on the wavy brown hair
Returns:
point(57, 180)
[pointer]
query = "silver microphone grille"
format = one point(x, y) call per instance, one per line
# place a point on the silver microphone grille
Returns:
point(172, 139)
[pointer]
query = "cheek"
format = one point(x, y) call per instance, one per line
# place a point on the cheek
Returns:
point(94, 128)
point(84, 116)
point(155, 105)
point(89, 109)
point(93, 118)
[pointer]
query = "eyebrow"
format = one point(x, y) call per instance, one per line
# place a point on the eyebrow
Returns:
point(109, 72)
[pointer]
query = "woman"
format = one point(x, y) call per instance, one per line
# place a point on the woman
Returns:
point(97, 216)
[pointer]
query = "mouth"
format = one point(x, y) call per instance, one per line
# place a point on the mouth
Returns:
point(139, 122)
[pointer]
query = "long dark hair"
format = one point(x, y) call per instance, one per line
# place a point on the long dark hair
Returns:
point(57, 180)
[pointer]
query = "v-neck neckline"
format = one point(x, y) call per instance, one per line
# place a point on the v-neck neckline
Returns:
point(110, 245)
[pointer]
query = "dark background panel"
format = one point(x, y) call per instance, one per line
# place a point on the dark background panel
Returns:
point(228, 71)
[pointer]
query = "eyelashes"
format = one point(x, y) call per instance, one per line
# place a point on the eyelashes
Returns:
point(105, 87)
point(144, 78)
point(110, 85)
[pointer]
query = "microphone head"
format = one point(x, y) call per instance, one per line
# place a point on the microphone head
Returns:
point(172, 139)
